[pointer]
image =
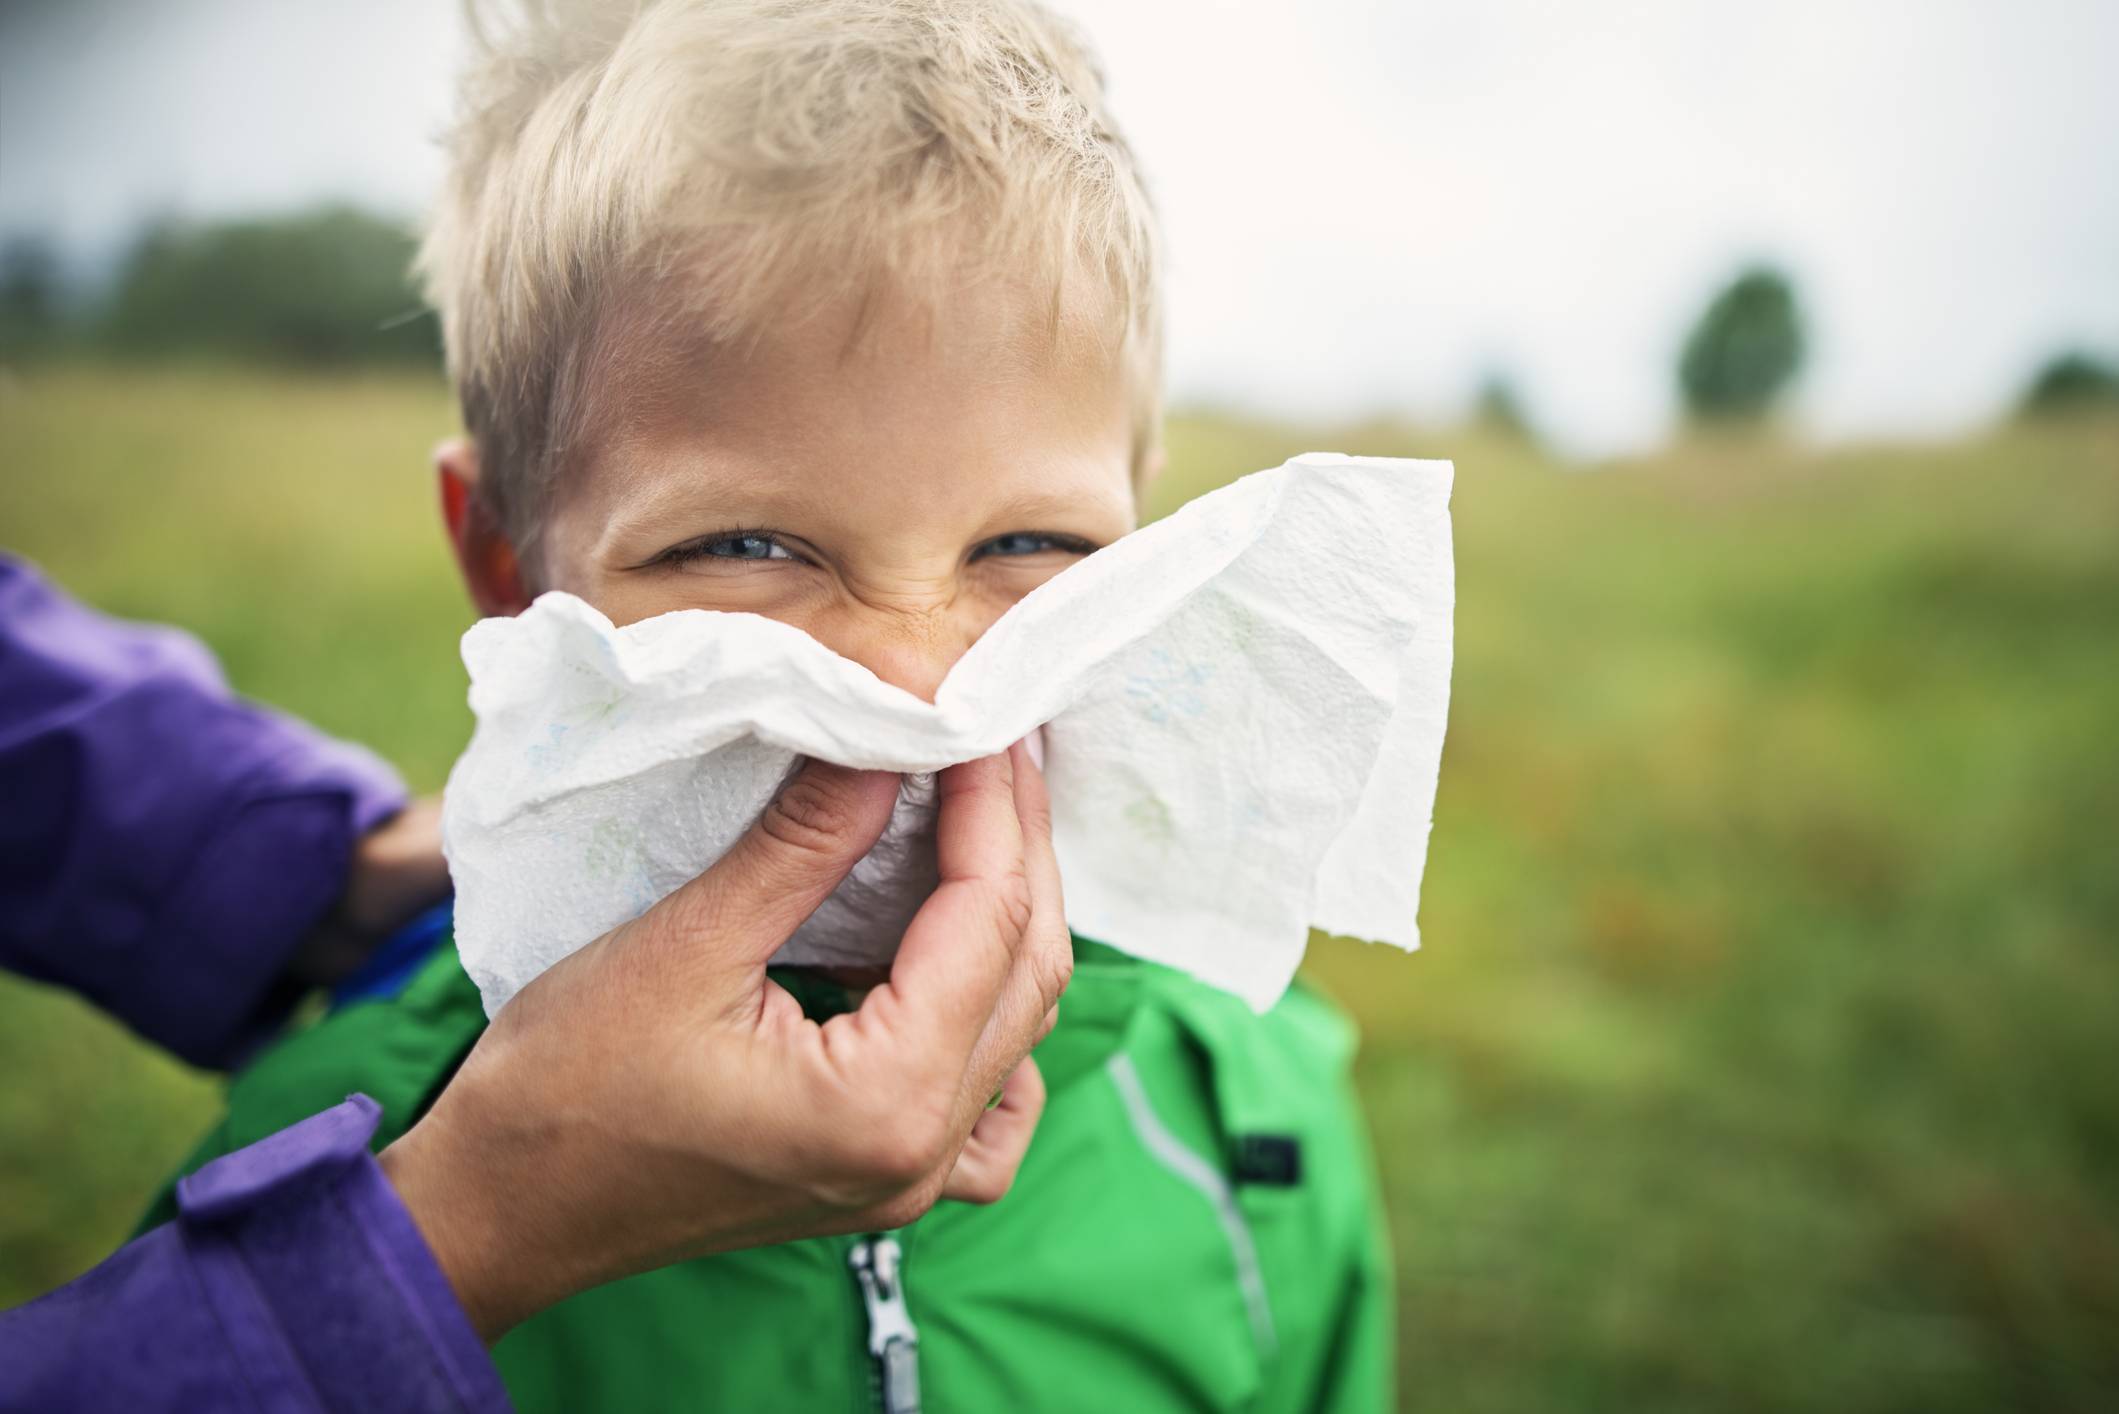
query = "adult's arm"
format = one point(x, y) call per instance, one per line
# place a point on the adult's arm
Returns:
point(165, 847)
point(292, 1280)
point(653, 1097)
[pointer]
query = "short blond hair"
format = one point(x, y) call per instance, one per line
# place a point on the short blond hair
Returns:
point(754, 152)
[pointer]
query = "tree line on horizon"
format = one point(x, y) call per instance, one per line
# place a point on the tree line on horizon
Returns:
point(331, 287)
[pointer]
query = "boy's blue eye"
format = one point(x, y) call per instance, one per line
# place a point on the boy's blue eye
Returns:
point(735, 545)
point(760, 546)
point(746, 547)
point(1032, 542)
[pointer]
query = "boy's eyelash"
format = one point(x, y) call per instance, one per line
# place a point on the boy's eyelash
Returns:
point(1072, 544)
point(698, 546)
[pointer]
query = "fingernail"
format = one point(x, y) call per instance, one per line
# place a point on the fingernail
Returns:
point(1035, 745)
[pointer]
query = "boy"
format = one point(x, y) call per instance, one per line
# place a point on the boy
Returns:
point(845, 312)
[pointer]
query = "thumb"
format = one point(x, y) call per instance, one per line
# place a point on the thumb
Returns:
point(752, 899)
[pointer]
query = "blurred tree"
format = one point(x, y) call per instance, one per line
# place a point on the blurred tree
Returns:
point(324, 287)
point(2071, 382)
point(1745, 350)
point(30, 307)
point(1499, 408)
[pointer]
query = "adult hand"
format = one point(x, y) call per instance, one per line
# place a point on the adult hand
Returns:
point(655, 1097)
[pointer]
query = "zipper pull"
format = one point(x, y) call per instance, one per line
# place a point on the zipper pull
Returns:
point(892, 1342)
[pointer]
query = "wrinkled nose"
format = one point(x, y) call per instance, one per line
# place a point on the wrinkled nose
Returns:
point(912, 649)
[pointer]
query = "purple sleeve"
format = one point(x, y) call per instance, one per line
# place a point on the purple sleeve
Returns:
point(164, 846)
point(292, 1280)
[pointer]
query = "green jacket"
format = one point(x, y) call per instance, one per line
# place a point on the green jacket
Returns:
point(1195, 1227)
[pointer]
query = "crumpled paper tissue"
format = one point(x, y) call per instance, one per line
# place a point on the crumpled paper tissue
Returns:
point(1242, 707)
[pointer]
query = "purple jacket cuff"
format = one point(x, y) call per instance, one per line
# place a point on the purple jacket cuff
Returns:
point(293, 1279)
point(166, 845)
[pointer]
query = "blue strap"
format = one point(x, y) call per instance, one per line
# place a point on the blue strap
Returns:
point(394, 962)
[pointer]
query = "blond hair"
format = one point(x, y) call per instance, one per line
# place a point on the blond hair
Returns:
point(753, 152)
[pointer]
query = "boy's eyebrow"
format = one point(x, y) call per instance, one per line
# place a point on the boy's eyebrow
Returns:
point(736, 482)
point(1030, 506)
point(671, 506)
point(676, 484)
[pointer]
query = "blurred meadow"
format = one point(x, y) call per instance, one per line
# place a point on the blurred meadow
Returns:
point(1761, 1054)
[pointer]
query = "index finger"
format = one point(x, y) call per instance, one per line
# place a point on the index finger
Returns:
point(1044, 963)
point(956, 957)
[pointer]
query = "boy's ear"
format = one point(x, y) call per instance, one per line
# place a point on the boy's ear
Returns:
point(491, 571)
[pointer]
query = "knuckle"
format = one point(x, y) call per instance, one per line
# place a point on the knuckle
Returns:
point(990, 1188)
point(809, 814)
point(981, 1190)
point(692, 912)
point(969, 778)
point(1012, 903)
point(905, 1210)
point(1055, 970)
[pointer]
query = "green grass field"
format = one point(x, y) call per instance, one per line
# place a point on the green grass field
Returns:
point(1762, 1056)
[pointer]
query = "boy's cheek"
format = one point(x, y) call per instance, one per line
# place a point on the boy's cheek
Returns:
point(809, 599)
point(630, 596)
point(909, 633)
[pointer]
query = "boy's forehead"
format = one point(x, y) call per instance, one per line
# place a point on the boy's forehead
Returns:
point(905, 391)
point(995, 325)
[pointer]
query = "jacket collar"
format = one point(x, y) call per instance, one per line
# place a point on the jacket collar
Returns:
point(1093, 1016)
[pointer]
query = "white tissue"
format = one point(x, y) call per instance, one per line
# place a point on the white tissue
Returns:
point(1243, 708)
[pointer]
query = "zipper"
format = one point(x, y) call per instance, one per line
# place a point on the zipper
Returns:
point(893, 1343)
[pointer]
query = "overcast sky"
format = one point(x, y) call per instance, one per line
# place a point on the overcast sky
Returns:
point(1369, 205)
